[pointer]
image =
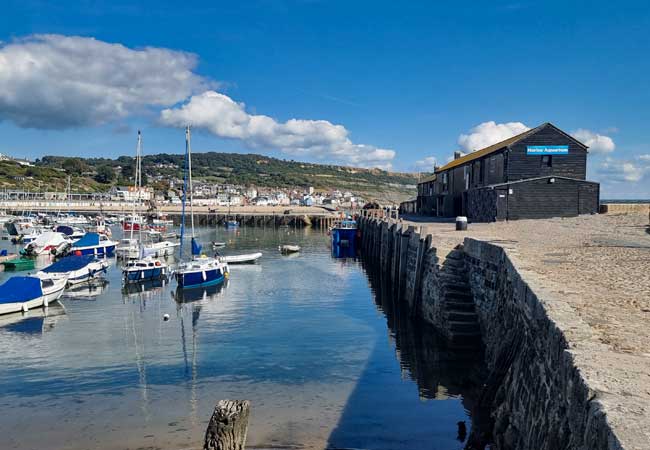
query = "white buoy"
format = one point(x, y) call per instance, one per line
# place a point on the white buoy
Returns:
point(166, 317)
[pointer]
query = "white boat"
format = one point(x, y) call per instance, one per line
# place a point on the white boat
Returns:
point(289, 248)
point(71, 219)
point(24, 293)
point(160, 249)
point(241, 259)
point(71, 231)
point(128, 248)
point(216, 245)
point(76, 269)
point(45, 243)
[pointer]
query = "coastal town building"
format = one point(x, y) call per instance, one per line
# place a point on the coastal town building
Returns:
point(536, 174)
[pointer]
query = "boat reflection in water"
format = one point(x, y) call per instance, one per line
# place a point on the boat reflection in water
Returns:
point(35, 322)
point(148, 286)
point(343, 251)
point(197, 294)
point(86, 291)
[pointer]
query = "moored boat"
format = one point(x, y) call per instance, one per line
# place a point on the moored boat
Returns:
point(145, 269)
point(77, 269)
point(240, 259)
point(18, 264)
point(24, 293)
point(201, 270)
point(45, 243)
point(94, 244)
point(288, 249)
point(128, 248)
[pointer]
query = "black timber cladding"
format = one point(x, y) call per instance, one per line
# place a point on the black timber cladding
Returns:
point(520, 165)
point(507, 162)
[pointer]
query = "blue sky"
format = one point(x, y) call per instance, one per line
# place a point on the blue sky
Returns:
point(389, 84)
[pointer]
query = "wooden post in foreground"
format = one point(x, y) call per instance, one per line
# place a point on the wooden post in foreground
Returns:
point(228, 426)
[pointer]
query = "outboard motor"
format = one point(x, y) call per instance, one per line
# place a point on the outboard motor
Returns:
point(62, 249)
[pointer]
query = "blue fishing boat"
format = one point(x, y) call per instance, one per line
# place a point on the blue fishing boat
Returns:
point(94, 244)
point(200, 270)
point(344, 235)
point(77, 269)
point(145, 269)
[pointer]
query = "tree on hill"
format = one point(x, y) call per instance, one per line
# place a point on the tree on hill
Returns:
point(105, 174)
point(74, 166)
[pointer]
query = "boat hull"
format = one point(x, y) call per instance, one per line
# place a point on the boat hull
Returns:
point(200, 278)
point(345, 237)
point(145, 274)
point(107, 250)
point(51, 296)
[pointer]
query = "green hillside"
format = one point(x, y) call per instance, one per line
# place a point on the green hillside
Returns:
point(92, 174)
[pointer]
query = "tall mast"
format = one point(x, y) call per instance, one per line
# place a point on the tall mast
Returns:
point(189, 170)
point(139, 181)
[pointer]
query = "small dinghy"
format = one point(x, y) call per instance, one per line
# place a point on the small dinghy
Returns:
point(24, 293)
point(241, 259)
point(18, 264)
point(76, 269)
point(216, 245)
point(287, 249)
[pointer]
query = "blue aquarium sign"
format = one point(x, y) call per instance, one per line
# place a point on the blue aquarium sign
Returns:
point(543, 150)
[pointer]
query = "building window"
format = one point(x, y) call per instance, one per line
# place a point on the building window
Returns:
point(444, 182)
point(547, 161)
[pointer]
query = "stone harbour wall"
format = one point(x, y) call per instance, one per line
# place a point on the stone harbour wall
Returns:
point(537, 396)
point(540, 400)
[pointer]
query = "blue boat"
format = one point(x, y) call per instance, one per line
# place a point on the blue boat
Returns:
point(145, 269)
point(94, 244)
point(344, 233)
point(201, 270)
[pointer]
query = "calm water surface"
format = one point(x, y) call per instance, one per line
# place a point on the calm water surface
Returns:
point(324, 361)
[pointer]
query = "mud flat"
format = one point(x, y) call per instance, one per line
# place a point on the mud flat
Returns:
point(561, 307)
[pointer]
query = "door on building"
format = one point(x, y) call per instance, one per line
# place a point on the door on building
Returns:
point(502, 204)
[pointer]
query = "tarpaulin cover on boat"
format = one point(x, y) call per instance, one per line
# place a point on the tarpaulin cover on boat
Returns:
point(65, 229)
point(69, 263)
point(89, 240)
point(20, 289)
point(49, 238)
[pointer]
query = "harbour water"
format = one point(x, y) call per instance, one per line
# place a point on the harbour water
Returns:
point(324, 357)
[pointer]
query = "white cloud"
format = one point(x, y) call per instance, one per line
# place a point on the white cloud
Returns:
point(223, 117)
point(621, 171)
point(54, 81)
point(598, 144)
point(645, 158)
point(426, 164)
point(488, 133)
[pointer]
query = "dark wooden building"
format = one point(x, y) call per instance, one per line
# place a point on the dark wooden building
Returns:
point(537, 174)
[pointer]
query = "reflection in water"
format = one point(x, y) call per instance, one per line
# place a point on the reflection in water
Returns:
point(35, 322)
point(298, 336)
point(440, 373)
point(89, 290)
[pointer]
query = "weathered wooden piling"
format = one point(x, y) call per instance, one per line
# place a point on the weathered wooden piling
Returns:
point(228, 426)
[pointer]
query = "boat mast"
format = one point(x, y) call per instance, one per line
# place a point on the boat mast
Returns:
point(138, 163)
point(189, 170)
point(187, 131)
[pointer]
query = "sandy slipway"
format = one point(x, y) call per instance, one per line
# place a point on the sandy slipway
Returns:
point(579, 288)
